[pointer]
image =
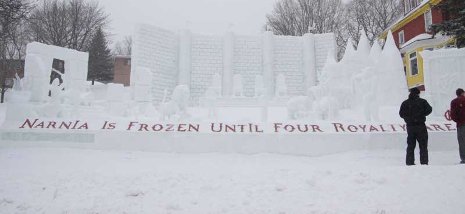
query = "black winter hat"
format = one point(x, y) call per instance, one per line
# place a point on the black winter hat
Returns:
point(415, 91)
point(459, 91)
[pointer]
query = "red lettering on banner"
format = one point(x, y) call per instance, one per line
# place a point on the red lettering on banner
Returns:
point(404, 127)
point(339, 126)
point(229, 128)
point(195, 127)
point(105, 125)
point(316, 128)
point(109, 126)
point(276, 126)
point(373, 129)
point(447, 115)
point(28, 123)
point(84, 126)
point(382, 128)
point(448, 126)
point(289, 128)
point(181, 128)
point(216, 130)
point(131, 124)
point(143, 126)
point(437, 127)
point(352, 128)
point(393, 128)
point(36, 124)
point(65, 125)
point(75, 124)
point(299, 127)
point(363, 127)
point(51, 124)
point(157, 127)
point(170, 128)
point(40, 125)
point(429, 128)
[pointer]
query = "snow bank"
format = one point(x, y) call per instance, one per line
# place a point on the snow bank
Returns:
point(83, 181)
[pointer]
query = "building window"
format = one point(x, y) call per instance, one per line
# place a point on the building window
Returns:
point(406, 7)
point(413, 4)
point(428, 20)
point(401, 38)
point(128, 62)
point(410, 5)
point(413, 64)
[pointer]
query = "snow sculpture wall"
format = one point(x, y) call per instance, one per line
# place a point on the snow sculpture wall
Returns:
point(443, 72)
point(38, 65)
point(157, 49)
point(33, 99)
point(288, 61)
point(207, 59)
point(192, 60)
point(248, 61)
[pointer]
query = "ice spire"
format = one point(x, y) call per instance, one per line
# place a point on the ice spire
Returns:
point(363, 48)
point(390, 48)
point(350, 51)
point(375, 52)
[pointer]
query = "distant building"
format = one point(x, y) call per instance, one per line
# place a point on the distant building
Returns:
point(412, 35)
point(122, 70)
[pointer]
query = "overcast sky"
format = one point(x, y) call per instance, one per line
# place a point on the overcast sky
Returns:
point(201, 16)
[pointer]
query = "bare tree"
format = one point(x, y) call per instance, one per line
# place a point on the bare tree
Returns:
point(297, 17)
point(13, 14)
point(70, 24)
point(372, 16)
point(284, 18)
point(85, 19)
point(123, 47)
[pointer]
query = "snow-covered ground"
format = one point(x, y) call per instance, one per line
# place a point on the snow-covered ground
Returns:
point(58, 180)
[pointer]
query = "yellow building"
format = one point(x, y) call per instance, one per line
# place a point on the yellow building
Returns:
point(412, 35)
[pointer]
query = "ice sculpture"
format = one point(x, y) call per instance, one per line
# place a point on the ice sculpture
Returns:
point(18, 84)
point(299, 107)
point(176, 108)
point(366, 81)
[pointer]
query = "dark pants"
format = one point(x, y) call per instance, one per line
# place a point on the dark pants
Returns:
point(420, 134)
point(461, 138)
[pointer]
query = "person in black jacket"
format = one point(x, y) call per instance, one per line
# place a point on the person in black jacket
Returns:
point(414, 111)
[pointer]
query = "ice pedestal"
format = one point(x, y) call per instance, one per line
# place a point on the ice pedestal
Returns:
point(142, 92)
point(260, 90)
point(281, 86)
point(238, 90)
point(115, 105)
point(18, 110)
